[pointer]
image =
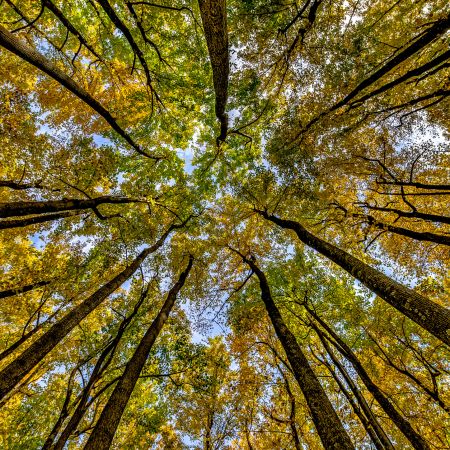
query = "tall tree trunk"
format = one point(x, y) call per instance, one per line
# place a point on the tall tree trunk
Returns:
point(292, 416)
point(214, 19)
point(17, 369)
point(64, 410)
point(356, 408)
point(429, 315)
point(19, 48)
point(85, 398)
point(247, 437)
point(416, 440)
point(106, 426)
point(328, 424)
point(208, 434)
point(371, 419)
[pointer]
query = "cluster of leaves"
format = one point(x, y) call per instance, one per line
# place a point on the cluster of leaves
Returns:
point(338, 119)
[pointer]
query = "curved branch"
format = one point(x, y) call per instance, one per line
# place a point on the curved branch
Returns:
point(16, 46)
point(23, 289)
point(35, 207)
point(408, 214)
point(117, 21)
point(438, 187)
point(70, 27)
point(19, 223)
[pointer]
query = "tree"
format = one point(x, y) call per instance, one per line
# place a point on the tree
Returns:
point(276, 144)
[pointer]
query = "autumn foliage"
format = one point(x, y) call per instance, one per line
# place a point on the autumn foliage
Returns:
point(224, 225)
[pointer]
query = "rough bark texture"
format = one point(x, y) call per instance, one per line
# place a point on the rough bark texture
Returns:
point(416, 440)
point(429, 315)
point(17, 369)
point(19, 48)
point(15, 209)
point(214, 19)
point(103, 433)
point(326, 421)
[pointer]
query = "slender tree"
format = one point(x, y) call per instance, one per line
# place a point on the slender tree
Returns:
point(86, 396)
point(17, 369)
point(416, 440)
point(429, 315)
point(22, 289)
point(106, 426)
point(369, 420)
point(330, 429)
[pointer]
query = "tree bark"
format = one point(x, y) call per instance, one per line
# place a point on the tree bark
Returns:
point(17, 369)
point(372, 421)
point(439, 187)
point(214, 19)
point(416, 440)
point(103, 362)
point(15, 209)
point(328, 424)
point(208, 432)
point(120, 25)
point(417, 235)
point(429, 315)
point(411, 214)
point(19, 223)
point(20, 186)
point(22, 289)
point(19, 48)
point(105, 428)
point(356, 408)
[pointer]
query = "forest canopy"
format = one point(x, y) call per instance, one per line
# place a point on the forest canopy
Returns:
point(224, 225)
